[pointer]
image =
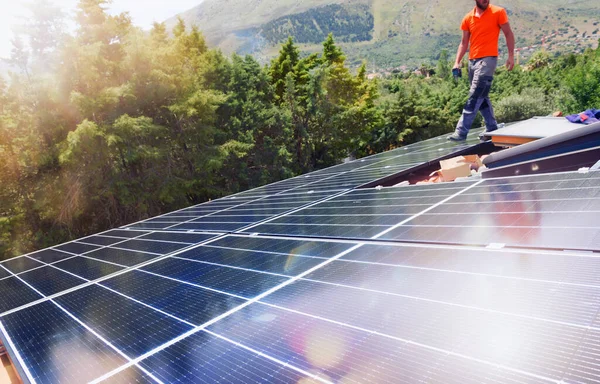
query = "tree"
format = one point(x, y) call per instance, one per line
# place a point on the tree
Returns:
point(331, 53)
point(282, 65)
point(443, 66)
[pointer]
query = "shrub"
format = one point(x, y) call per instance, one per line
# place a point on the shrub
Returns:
point(530, 102)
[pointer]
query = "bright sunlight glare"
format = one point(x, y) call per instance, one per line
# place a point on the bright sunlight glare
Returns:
point(143, 14)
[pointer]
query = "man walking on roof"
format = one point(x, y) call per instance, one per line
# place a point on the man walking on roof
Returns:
point(481, 30)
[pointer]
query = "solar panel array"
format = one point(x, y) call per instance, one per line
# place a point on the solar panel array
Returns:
point(312, 279)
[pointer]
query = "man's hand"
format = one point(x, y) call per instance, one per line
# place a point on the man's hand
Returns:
point(510, 44)
point(510, 62)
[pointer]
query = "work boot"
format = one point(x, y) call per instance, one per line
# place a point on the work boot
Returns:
point(456, 137)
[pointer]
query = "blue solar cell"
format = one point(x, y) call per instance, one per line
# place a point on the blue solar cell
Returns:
point(244, 283)
point(307, 218)
point(190, 238)
point(4, 273)
point(467, 331)
point(530, 211)
point(240, 218)
point(163, 220)
point(131, 327)
point(21, 264)
point(56, 348)
point(50, 256)
point(159, 247)
point(75, 247)
point(557, 266)
point(282, 264)
point(358, 214)
point(522, 297)
point(284, 246)
point(151, 225)
point(15, 293)
point(49, 280)
point(101, 240)
point(187, 302)
point(87, 268)
point(343, 354)
point(220, 227)
point(122, 257)
point(131, 375)
point(202, 358)
point(124, 233)
point(356, 231)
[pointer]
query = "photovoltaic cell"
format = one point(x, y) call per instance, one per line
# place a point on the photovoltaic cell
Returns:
point(4, 273)
point(121, 256)
point(73, 247)
point(124, 233)
point(21, 264)
point(133, 328)
point(158, 247)
point(87, 268)
point(530, 211)
point(282, 246)
point(242, 215)
point(561, 267)
point(55, 348)
point(344, 354)
point(202, 358)
point(189, 238)
point(15, 293)
point(281, 264)
point(190, 213)
point(153, 225)
point(471, 332)
point(131, 375)
point(49, 280)
point(552, 300)
point(233, 281)
point(101, 240)
point(289, 185)
point(359, 214)
point(193, 304)
point(49, 256)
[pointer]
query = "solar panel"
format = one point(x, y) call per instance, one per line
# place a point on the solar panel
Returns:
point(546, 211)
point(360, 213)
point(314, 280)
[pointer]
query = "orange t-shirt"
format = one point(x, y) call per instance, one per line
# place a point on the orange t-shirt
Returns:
point(484, 30)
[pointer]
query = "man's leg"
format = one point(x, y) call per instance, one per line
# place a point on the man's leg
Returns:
point(481, 72)
point(488, 115)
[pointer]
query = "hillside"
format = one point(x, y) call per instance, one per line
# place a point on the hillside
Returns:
point(384, 32)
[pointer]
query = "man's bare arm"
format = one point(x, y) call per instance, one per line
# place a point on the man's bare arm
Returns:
point(462, 48)
point(510, 44)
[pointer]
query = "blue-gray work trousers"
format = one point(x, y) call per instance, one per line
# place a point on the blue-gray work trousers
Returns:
point(481, 74)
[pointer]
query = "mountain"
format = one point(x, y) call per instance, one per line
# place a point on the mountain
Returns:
point(386, 33)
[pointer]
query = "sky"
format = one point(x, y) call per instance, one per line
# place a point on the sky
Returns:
point(143, 13)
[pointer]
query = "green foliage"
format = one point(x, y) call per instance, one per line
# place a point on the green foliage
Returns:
point(282, 65)
point(444, 68)
point(583, 83)
point(539, 59)
point(416, 111)
point(122, 125)
point(520, 106)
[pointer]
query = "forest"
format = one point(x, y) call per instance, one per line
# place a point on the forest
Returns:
point(347, 23)
point(107, 124)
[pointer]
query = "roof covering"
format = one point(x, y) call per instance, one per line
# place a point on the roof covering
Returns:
point(313, 279)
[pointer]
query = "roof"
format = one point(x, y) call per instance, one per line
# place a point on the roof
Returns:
point(316, 278)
